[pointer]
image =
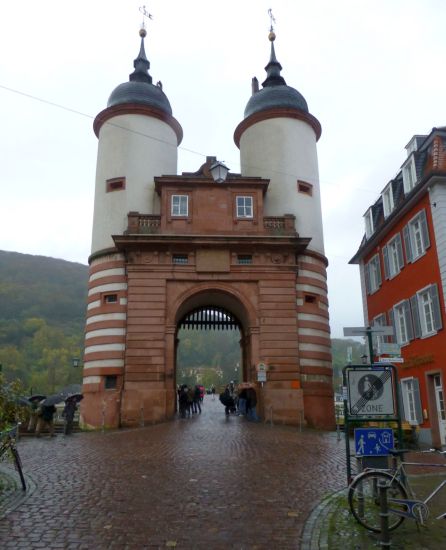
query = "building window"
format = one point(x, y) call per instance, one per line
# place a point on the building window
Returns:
point(244, 259)
point(388, 203)
point(110, 298)
point(244, 207)
point(379, 321)
point(402, 321)
point(426, 312)
point(180, 259)
point(304, 187)
point(416, 237)
point(115, 184)
point(368, 220)
point(111, 382)
point(409, 175)
point(373, 274)
point(393, 257)
point(410, 393)
point(180, 205)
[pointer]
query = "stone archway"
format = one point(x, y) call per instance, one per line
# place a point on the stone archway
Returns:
point(216, 297)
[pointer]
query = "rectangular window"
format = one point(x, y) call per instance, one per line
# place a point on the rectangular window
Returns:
point(409, 175)
point(410, 393)
point(393, 257)
point(244, 207)
point(111, 382)
point(244, 259)
point(180, 205)
point(379, 321)
point(181, 259)
point(368, 220)
point(115, 184)
point(426, 312)
point(402, 320)
point(416, 237)
point(110, 298)
point(304, 187)
point(373, 274)
point(388, 203)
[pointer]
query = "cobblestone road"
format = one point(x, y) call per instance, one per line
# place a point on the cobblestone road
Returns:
point(206, 482)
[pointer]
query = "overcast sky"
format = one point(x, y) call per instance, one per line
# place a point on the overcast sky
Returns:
point(372, 72)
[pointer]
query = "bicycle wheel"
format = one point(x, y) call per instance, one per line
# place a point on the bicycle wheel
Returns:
point(18, 466)
point(363, 499)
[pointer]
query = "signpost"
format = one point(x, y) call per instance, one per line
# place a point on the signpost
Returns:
point(370, 394)
point(373, 441)
point(368, 332)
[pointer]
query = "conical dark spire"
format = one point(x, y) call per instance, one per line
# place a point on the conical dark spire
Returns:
point(141, 63)
point(273, 68)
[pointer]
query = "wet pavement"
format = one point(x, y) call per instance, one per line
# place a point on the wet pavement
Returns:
point(205, 482)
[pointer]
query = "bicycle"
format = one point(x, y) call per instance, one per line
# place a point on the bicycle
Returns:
point(8, 447)
point(363, 494)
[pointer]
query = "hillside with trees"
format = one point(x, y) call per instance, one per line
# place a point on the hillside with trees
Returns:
point(42, 316)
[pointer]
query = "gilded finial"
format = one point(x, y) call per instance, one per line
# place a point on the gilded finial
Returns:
point(272, 34)
point(145, 15)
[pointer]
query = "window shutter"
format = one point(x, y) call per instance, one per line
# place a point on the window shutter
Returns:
point(392, 322)
point(408, 319)
point(415, 316)
point(378, 269)
point(367, 278)
point(417, 402)
point(407, 243)
point(399, 248)
point(402, 401)
point(386, 262)
point(424, 229)
point(433, 291)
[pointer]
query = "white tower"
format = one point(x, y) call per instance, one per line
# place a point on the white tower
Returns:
point(138, 140)
point(277, 140)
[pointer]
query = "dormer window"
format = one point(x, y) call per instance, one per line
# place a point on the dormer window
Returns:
point(409, 175)
point(388, 204)
point(368, 219)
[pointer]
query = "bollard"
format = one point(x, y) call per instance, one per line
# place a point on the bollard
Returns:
point(141, 423)
point(384, 539)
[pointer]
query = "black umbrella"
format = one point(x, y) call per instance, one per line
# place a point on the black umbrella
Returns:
point(75, 397)
point(23, 401)
point(53, 400)
point(36, 397)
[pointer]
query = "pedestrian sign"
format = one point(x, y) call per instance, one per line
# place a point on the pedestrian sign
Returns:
point(373, 441)
point(370, 392)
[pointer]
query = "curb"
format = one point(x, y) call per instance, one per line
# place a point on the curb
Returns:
point(315, 532)
point(13, 496)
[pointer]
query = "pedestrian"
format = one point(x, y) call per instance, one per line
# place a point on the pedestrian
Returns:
point(213, 392)
point(190, 400)
point(251, 403)
point(227, 400)
point(33, 416)
point(242, 401)
point(68, 414)
point(46, 419)
point(182, 401)
point(197, 400)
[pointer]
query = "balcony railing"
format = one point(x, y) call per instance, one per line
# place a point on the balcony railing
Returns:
point(149, 224)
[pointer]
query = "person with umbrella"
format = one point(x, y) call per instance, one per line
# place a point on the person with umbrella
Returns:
point(69, 410)
point(46, 413)
point(33, 415)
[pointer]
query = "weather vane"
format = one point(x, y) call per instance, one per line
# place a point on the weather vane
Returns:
point(271, 17)
point(145, 15)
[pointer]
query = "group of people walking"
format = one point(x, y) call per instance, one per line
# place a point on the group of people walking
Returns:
point(190, 399)
point(42, 417)
point(240, 400)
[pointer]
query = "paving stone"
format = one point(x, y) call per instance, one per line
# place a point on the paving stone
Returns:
point(204, 482)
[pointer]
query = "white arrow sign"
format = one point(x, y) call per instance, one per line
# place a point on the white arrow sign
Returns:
point(361, 331)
